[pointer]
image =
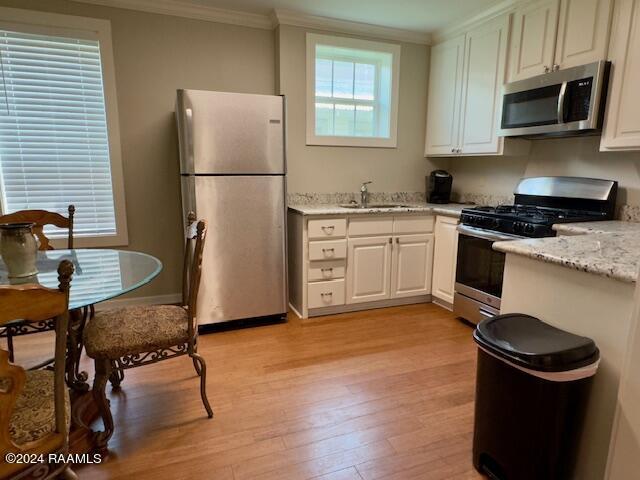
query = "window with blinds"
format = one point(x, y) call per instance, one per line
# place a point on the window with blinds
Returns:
point(352, 89)
point(54, 145)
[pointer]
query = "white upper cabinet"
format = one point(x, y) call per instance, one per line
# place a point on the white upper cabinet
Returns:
point(445, 91)
point(583, 32)
point(466, 76)
point(534, 39)
point(484, 74)
point(555, 34)
point(622, 121)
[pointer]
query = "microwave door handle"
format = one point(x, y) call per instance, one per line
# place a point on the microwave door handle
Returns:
point(561, 100)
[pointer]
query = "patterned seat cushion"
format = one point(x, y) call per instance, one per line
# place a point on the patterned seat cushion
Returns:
point(112, 334)
point(33, 415)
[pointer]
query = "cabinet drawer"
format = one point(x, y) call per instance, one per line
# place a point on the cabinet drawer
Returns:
point(326, 294)
point(370, 226)
point(327, 228)
point(327, 270)
point(329, 250)
point(413, 224)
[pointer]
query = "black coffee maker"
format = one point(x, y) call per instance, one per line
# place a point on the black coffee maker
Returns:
point(439, 186)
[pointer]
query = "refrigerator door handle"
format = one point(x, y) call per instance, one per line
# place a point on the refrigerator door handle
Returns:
point(188, 114)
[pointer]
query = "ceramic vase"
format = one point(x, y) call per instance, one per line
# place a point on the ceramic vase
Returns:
point(18, 248)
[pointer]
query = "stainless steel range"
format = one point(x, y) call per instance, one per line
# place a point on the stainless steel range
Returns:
point(540, 202)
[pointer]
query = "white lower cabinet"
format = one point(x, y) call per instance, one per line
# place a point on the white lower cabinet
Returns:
point(368, 269)
point(411, 265)
point(360, 261)
point(444, 259)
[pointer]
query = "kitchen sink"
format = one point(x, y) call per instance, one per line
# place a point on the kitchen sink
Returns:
point(374, 205)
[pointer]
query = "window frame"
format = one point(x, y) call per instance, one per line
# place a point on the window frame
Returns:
point(313, 40)
point(54, 24)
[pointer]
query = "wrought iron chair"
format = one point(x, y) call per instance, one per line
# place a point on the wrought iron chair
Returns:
point(130, 337)
point(40, 219)
point(34, 404)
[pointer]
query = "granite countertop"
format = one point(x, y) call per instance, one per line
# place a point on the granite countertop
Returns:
point(611, 255)
point(609, 226)
point(450, 209)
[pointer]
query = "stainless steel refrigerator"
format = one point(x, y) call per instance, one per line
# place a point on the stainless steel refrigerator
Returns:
point(232, 167)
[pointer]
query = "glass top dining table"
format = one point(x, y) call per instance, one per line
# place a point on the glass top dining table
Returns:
point(100, 274)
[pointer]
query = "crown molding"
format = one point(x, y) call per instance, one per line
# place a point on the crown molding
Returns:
point(297, 19)
point(469, 23)
point(187, 9)
point(180, 8)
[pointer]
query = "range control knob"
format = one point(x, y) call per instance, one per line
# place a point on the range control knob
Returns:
point(529, 228)
point(517, 227)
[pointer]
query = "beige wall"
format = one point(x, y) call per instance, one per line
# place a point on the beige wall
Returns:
point(342, 169)
point(155, 55)
point(563, 156)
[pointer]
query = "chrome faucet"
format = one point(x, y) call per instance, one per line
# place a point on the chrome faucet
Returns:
point(364, 194)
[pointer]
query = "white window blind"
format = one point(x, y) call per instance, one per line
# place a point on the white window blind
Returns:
point(54, 146)
point(352, 92)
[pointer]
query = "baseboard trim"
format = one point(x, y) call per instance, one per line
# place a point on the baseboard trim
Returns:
point(356, 307)
point(443, 303)
point(168, 299)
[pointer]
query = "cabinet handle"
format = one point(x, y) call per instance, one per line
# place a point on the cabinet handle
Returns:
point(398, 240)
point(328, 251)
point(453, 150)
point(330, 269)
point(555, 67)
point(326, 294)
point(546, 69)
point(330, 229)
point(390, 240)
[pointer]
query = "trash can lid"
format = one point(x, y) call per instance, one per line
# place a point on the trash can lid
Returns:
point(530, 343)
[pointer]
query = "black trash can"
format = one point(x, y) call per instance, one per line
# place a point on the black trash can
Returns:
point(532, 385)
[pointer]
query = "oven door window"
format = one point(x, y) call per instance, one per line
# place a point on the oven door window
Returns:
point(479, 266)
point(531, 108)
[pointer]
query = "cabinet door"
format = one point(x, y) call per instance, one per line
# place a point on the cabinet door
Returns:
point(534, 38)
point(583, 32)
point(368, 269)
point(484, 74)
point(444, 258)
point(411, 265)
point(622, 122)
point(445, 89)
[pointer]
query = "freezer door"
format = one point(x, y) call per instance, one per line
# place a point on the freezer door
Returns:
point(244, 264)
point(230, 133)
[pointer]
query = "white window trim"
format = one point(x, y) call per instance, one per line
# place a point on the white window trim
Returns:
point(94, 29)
point(312, 139)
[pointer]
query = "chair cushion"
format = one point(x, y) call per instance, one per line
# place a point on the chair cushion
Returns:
point(33, 415)
point(112, 334)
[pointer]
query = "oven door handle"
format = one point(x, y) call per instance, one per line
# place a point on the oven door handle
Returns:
point(561, 99)
point(486, 234)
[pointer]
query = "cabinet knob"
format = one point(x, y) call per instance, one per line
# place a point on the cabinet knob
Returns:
point(546, 69)
point(453, 150)
point(556, 67)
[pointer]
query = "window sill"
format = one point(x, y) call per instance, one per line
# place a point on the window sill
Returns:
point(106, 241)
point(352, 141)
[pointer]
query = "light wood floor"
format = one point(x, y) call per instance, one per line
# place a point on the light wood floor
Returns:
point(383, 394)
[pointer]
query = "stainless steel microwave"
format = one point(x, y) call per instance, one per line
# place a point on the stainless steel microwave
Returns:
point(562, 103)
